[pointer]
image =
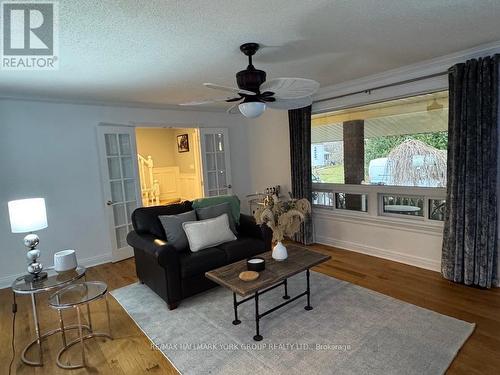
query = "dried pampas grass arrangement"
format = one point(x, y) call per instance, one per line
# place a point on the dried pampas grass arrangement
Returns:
point(283, 217)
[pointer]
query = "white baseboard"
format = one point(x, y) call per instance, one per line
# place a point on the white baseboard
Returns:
point(6, 281)
point(429, 264)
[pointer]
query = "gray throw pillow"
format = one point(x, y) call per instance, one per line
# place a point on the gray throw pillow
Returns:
point(173, 228)
point(217, 210)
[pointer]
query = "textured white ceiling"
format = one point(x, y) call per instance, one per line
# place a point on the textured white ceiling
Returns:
point(160, 52)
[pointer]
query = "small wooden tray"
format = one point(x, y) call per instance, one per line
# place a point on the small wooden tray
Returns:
point(249, 275)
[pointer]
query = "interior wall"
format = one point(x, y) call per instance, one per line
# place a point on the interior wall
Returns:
point(50, 150)
point(268, 140)
point(184, 160)
point(159, 143)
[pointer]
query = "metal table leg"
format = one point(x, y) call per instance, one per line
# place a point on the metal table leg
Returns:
point(80, 333)
point(89, 319)
point(236, 321)
point(38, 339)
point(257, 336)
point(285, 283)
point(308, 307)
point(61, 326)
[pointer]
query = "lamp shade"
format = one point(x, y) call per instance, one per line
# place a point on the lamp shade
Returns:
point(252, 109)
point(27, 215)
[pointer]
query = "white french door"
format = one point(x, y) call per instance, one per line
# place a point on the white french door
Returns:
point(216, 161)
point(117, 151)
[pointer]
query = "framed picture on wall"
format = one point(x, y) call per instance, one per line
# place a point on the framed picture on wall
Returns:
point(183, 143)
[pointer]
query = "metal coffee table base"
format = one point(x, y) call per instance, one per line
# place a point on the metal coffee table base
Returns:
point(258, 315)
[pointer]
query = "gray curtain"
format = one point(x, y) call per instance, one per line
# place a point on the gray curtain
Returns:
point(300, 157)
point(470, 238)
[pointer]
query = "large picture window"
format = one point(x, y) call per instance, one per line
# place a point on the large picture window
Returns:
point(392, 154)
point(399, 142)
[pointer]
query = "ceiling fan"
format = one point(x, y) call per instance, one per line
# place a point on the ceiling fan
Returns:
point(254, 94)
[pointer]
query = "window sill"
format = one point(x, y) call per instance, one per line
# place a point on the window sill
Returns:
point(386, 222)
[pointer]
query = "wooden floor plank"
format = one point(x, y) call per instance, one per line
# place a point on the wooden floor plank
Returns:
point(130, 352)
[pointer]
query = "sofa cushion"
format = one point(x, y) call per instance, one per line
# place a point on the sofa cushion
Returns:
point(242, 248)
point(145, 219)
point(172, 224)
point(208, 233)
point(233, 200)
point(215, 211)
point(201, 261)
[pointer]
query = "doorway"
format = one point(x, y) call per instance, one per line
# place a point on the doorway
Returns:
point(143, 166)
point(169, 163)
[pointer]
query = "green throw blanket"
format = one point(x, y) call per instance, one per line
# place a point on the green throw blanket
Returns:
point(212, 201)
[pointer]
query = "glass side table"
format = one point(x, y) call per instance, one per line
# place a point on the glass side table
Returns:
point(53, 281)
point(74, 297)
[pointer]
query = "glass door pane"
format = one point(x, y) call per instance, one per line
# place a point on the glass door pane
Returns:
point(117, 147)
point(215, 153)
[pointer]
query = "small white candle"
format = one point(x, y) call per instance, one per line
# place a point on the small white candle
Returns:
point(255, 261)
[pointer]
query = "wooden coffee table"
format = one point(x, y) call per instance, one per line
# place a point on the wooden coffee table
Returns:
point(276, 274)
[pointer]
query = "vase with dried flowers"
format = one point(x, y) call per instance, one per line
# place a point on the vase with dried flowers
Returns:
point(284, 219)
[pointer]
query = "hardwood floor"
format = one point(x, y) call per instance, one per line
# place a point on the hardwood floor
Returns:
point(130, 352)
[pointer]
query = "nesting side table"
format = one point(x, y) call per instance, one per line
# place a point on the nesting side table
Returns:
point(76, 296)
point(20, 286)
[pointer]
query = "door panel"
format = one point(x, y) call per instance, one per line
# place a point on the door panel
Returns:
point(216, 161)
point(120, 183)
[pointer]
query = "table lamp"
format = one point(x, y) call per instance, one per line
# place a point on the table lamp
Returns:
point(27, 216)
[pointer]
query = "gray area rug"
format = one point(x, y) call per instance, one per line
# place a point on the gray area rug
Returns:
point(351, 330)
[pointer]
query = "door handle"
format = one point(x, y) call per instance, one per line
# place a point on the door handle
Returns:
point(109, 203)
point(229, 186)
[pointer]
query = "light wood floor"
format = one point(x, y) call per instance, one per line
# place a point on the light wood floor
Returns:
point(130, 352)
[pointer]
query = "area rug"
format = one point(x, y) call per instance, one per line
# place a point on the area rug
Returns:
point(351, 330)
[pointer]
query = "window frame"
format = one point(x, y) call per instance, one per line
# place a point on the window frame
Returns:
point(381, 212)
point(373, 191)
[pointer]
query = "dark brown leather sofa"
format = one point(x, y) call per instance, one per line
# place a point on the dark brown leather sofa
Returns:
point(175, 274)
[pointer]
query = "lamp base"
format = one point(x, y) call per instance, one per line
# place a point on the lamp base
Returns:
point(32, 278)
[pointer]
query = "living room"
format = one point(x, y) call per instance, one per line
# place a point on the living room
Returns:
point(388, 264)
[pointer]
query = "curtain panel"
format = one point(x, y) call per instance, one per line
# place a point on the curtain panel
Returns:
point(300, 158)
point(470, 238)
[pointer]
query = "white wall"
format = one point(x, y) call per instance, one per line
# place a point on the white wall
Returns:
point(159, 143)
point(268, 142)
point(185, 160)
point(50, 150)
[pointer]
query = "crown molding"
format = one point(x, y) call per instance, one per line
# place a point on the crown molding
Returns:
point(105, 103)
point(420, 69)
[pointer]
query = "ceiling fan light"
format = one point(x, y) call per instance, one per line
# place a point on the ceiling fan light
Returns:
point(252, 109)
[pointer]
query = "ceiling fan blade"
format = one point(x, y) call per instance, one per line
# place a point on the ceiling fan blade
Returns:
point(227, 88)
point(290, 103)
point(268, 99)
point(290, 88)
point(210, 101)
point(266, 94)
point(234, 99)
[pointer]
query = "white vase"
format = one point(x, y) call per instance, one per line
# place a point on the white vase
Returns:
point(279, 252)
